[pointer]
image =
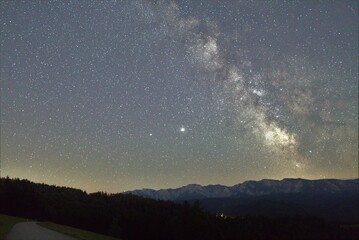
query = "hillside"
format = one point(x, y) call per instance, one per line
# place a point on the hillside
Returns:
point(287, 197)
point(127, 216)
point(254, 188)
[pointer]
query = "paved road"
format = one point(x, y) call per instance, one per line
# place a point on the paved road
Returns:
point(32, 231)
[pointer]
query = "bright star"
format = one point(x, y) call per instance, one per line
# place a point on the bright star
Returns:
point(182, 129)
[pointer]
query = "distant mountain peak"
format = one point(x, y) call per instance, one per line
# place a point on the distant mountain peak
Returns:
point(192, 186)
point(252, 188)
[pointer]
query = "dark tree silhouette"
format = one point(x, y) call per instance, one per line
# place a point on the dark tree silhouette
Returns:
point(132, 217)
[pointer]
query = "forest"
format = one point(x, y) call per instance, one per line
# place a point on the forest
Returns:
point(132, 217)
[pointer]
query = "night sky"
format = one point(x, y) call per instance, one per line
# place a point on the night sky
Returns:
point(121, 95)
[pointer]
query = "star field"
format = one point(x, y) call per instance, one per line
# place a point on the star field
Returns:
point(118, 95)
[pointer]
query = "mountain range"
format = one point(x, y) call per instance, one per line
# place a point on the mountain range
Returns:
point(331, 199)
point(253, 188)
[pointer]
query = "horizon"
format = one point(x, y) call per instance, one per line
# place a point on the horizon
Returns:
point(120, 95)
point(174, 188)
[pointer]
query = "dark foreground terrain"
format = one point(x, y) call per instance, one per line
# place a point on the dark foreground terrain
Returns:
point(30, 230)
point(132, 217)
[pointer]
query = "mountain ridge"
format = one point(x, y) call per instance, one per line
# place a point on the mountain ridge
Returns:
point(252, 188)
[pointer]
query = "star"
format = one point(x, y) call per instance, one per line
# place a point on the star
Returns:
point(121, 86)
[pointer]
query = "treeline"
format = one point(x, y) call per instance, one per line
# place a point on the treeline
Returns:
point(132, 217)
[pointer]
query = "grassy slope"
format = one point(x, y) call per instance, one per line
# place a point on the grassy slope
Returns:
point(75, 232)
point(6, 223)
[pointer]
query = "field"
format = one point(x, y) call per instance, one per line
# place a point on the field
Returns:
point(6, 223)
point(75, 232)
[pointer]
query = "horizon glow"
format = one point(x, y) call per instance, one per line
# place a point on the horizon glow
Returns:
point(122, 95)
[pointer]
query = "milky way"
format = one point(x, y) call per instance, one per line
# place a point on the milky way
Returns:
point(118, 95)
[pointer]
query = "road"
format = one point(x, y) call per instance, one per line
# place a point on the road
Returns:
point(32, 231)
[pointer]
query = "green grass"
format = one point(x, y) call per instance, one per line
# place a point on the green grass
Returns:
point(6, 223)
point(75, 232)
